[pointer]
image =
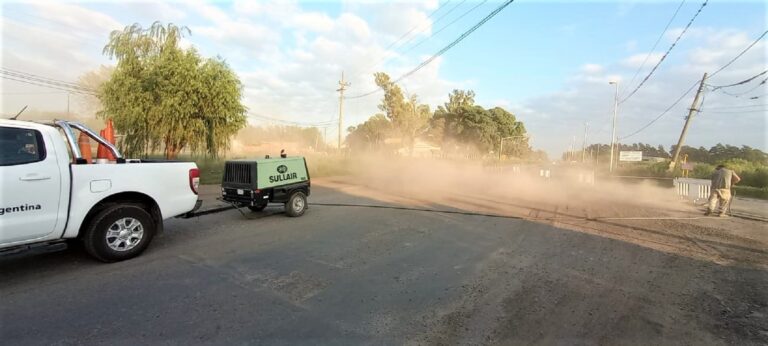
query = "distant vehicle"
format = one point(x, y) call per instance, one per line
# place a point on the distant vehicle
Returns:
point(256, 183)
point(49, 193)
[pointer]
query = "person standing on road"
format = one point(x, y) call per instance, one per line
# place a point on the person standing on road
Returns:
point(720, 189)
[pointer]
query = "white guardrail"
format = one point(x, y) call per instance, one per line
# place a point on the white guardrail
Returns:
point(696, 190)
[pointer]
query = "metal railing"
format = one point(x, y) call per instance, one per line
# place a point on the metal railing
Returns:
point(696, 190)
point(66, 127)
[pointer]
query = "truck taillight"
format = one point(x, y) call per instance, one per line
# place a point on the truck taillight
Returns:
point(194, 179)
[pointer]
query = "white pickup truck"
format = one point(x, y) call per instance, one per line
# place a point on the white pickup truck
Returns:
point(49, 193)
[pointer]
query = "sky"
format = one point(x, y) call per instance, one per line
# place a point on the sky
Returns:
point(547, 62)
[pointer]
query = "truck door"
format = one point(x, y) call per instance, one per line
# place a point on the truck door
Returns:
point(30, 181)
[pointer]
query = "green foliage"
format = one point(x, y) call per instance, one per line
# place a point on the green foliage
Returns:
point(466, 124)
point(603, 151)
point(702, 171)
point(458, 124)
point(408, 118)
point(162, 96)
point(752, 173)
point(369, 135)
point(721, 153)
point(749, 191)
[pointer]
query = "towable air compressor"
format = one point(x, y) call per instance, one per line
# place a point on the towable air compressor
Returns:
point(256, 183)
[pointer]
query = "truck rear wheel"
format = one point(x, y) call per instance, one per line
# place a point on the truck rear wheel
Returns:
point(296, 204)
point(119, 232)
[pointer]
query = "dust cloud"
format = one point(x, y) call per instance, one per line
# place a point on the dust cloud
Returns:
point(505, 188)
point(645, 213)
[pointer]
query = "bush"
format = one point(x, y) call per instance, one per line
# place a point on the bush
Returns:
point(702, 171)
point(752, 173)
point(749, 191)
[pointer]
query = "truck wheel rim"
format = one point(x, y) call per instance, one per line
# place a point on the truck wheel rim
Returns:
point(298, 204)
point(124, 234)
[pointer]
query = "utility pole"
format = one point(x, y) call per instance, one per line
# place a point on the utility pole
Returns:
point(573, 149)
point(597, 155)
point(67, 104)
point(691, 112)
point(584, 143)
point(342, 86)
point(615, 114)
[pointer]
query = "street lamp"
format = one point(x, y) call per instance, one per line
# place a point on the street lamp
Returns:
point(615, 112)
point(501, 143)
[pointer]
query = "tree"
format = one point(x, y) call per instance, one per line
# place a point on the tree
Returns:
point(163, 96)
point(407, 116)
point(369, 135)
point(507, 126)
point(465, 123)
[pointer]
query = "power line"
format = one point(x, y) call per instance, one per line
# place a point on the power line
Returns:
point(445, 26)
point(420, 24)
point(664, 112)
point(743, 106)
point(45, 80)
point(289, 122)
point(663, 32)
point(739, 83)
point(33, 93)
point(740, 54)
point(667, 52)
point(385, 60)
point(445, 49)
point(738, 112)
point(49, 86)
point(40, 77)
point(737, 95)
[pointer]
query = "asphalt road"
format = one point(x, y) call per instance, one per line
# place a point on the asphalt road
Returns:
point(349, 275)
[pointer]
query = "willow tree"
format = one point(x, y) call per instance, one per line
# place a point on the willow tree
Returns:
point(161, 96)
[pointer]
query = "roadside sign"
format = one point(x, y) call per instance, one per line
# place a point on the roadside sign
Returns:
point(630, 156)
point(688, 166)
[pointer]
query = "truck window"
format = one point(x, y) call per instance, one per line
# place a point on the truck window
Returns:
point(20, 146)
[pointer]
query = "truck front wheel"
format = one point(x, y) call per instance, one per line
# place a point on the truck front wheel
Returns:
point(296, 204)
point(119, 232)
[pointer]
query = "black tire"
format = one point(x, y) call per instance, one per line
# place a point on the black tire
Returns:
point(96, 240)
point(296, 205)
point(257, 207)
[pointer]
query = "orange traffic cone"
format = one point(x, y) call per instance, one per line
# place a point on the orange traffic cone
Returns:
point(109, 135)
point(101, 153)
point(85, 146)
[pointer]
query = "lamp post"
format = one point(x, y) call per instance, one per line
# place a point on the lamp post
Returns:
point(615, 113)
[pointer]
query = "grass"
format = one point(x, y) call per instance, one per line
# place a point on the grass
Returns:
point(752, 192)
point(211, 170)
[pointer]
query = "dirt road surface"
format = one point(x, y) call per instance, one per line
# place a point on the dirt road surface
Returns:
point(494, 268)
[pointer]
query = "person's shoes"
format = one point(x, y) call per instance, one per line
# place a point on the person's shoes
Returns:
point(723, 215)
point(708, 213)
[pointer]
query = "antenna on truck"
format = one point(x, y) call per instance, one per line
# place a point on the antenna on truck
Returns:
point(19, 113)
